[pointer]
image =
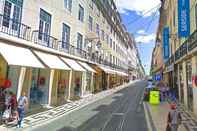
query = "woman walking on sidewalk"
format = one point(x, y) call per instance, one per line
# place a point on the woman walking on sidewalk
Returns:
point(174, 118)
point(22, 104)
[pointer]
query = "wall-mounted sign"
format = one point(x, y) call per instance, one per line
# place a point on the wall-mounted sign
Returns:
point(183, 18)
point(166, 43)
point(158, 77)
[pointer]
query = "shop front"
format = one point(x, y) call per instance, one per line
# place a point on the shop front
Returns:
point(108, 76)
point(62, 86)
point(76, 79)
point(39, 88)
point(14, 71)
point(88, 78)
point(97, 79)
point(49, 86)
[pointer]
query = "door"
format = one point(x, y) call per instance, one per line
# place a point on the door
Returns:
point(44, 28)
point(181, 83)
point(189, 85)
point(11, 18)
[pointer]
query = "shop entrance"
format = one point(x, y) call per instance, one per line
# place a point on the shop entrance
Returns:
point(189, 86)
point(39, 90)
point(62, 89)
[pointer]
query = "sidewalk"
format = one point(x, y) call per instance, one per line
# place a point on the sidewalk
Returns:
point(156, 116)
point(55, 113)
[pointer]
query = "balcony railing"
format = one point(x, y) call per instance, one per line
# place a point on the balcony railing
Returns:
point(17, 29)
point(192, 41)
point(44, 39)
point(14, 28)
point(70, 49)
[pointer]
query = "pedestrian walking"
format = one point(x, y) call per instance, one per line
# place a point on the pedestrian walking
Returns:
point(22, 104)
point(174, 118)
point(13, 103)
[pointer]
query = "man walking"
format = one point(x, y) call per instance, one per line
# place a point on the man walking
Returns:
point(174, 118)
point(22, 104)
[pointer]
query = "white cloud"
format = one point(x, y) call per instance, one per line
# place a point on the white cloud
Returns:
point(140, 6)
point(142, 32)
point(146, 38)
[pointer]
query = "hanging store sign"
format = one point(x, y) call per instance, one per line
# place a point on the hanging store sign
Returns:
point(183, 18)
point(166, 43)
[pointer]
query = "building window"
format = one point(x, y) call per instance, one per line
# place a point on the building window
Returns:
point(90, 23)
point(65, 36)
point(111, 29)
point(68, 5)
point(196, 15)
point(114, 45)
point(102, 35)
point(12, 13)
point(174, 18)
point(97, 29)
point(79, 41)
point(114, 59)
point(44, 26)
point(110, 58)
point(81, 13)
point(91, 4)
point(107, 38)
point(110, 43)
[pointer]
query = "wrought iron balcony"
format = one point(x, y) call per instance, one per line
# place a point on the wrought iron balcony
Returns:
point(192, 41)
point(70, 49)
point(14, 28)
point(44, 39)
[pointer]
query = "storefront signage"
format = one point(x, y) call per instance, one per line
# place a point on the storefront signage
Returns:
point(183, 18)
point(170, 68)
point(158, 77)
point(166, 43)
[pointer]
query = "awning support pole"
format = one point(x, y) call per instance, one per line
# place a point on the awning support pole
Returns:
point(70, 85)
point(52, 72)
point(21, 81)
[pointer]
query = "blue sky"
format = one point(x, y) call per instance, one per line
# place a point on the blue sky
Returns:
point(144, 29)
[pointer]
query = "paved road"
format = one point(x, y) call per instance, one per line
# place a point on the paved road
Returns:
point(121, 111)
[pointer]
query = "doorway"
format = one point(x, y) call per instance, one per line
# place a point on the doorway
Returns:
point(189, 85)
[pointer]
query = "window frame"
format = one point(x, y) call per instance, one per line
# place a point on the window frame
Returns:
point(81, 13)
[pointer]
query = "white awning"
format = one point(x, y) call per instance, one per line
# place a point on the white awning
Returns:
point(19, 56)
point(73, 64)
point(121, 73)
point(107, 70)
point(52, 61)
point(86, 66)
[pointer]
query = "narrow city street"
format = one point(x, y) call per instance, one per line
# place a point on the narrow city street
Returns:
point(122, 111)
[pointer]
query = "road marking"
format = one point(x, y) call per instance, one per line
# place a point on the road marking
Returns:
point(147, 119)
point(118, 114)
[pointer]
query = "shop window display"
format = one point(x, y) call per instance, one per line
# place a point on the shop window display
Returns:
point(39, 86)
point(77, 87)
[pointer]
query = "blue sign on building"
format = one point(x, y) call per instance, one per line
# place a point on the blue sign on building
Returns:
point(183, 18)
point(158, 77)
point(166, 51)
